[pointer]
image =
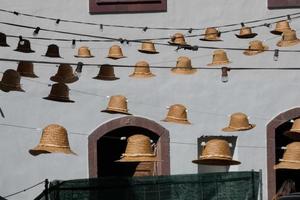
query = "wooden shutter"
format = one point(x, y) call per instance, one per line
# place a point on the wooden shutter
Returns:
point(277, 4)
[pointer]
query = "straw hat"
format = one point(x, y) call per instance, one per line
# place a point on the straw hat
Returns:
point(117, 104)
point(219, 58)
point(294, 132)
point(255, 47)
point(106, 73)
point(59, 92)
point(246, 32)
point(211, 34)
point(238, 122)
point(115, 52)
point(52, 51)
point(24, 46)
point(291, 157)
point(25, 68)
point(11, 81)
point(3, 42)
point(64, 74)
point(54, 139)
point(177, 113)
point(289, 38)
point(216, 152)
point(177, 39)
point(142, 70)
point(84, 52)
point(281, 26)
point(138, 149)
point(148, 47)
point(183, 66)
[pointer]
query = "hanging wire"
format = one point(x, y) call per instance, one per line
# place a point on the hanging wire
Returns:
point(24, 190)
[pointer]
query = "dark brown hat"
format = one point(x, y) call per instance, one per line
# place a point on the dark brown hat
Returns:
point(106, 73)
point(24, 46)
point(59, 92)
point(11, 81)
point(25, 68)
point(64, 74)
point(53, 51)
point(3, 40)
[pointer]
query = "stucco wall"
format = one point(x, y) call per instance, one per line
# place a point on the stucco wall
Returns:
point(260, 94)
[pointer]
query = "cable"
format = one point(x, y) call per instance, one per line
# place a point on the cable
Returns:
point(24, 190)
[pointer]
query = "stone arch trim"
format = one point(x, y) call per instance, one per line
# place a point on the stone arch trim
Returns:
point(111, 125)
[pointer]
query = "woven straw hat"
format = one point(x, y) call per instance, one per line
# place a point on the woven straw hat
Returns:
point(219, 58)
point(148, 47)
point(142, 70)
point(177, 113)
point(24, 46)
point(291, 157)
point(115, 52)
point(238, 122)
point(281, 26)
point(106, 73)
point(177, 39)
point(11, 81)
point(294, 132)
point(117, 104)
point(25, 68)
point(64, 74)
point(183, 66)
point(52, 51)
point(216, 152)
point(138, 149)
point(59, 92)
point(246, 32)
point(211, 34)
point(54, 139)
point(289, 38)
point(3, 42)
point(84, 52)
point(255, 47)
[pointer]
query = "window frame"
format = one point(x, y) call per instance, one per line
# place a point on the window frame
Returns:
point(281, 4)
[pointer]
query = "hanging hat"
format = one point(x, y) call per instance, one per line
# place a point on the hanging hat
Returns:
point(24, 46)
point(3, 42)
point(142, 70)
point(115, 52)
point(177, 39)
point(238, 122)
point(138, 149)
point(294, 132)
point(52, 51)
point(25, 68)
point(281, 26)
point(54, 139)
point(219, 58)
point(59, 92)
point(246, 32)
point(84, 52)
point(289, 38)
point(148, 47)
point(183, 66)
point(216, 152)
point(106, 73)
point(177, 113)
point(211, 34)
point(117, 104)
point(291, 157)
point(255, 47)
point(11, 81)
point(64, 74)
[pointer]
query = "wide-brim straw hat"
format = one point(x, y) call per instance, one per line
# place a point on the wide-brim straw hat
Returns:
point(117, 104)
point(148, 47)
point(238, 122)
point(183, 66)
point(289, 38)
point(25, 68)
point(3, 41)
point(142, 70)
point(183, 70)
point(211, 35)
point(84, 52)
point(106, 73)
point(177, 114)
point(219, 58)
point(281, 26)
point(245, 33)
point(24, 46)
point(291, 157)
point(52, 51)
point(177, 39)
point(64, 74)
point(294, 132)
point(11, 81)
point(115, 52)
point(253, 51)
point(59, 92)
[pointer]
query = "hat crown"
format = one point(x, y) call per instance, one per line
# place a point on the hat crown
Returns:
point(117, 102)
point(292, 152)
point(216, 148)
point(220, 55)
point(245, 30)
point(2, 38)
point(54, 135)
point(115, 51)
point(11, 78)
point(59, 90)
point(24, 46)
point(289, 35)
point(107, 71)
point(142, 67)
point(65, 71)
point(52, 51)
point(282, 25)
point(25, 67)
point(178, 38)
point(138, 144)
point(211, 33)
point(148, 46)
point(184, 61)
point(239, 120)
point(177, 111)
point(256, 44)
point(296, 125)
point(84, 51)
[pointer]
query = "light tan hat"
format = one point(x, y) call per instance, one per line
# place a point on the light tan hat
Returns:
point(216, 152)
point(84, 52)
point(281, 26)
point(177, 113)
point(54, 139)
point(289, 38)
point(238, 122)
point(246, 32)
point(177, 39)
point(148, 47)
point(255, 47)
point(291, 157)
point(115, 52)
point(117, 104)
point(211, 34)
point(138, 149)
point(183, 66)
point(219, 58)
point(294, 132)
point(142, 70)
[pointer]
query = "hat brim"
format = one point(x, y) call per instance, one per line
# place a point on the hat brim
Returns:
point(276, 32)
point(253, 52)
point(4, 45)
point(148, 51)
point(177, 44)
point(49, 56)
point(176, 121)
point(211, 40)
point(219, 63)
point(142, 75)
point(6, 88)
point(106, 78)
point(246, 36)
point(287, 165)
point(216, 161)
point(283, 43)
point(58, 79)
point(177, 70)
point(28, 75)
point(88, 56)
point(116, 57)
point(59, 99)
point(138, 159)
point(46, 149)
point(293, 135)
point(230, 129)
point(28, 51)
point(115, 112)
